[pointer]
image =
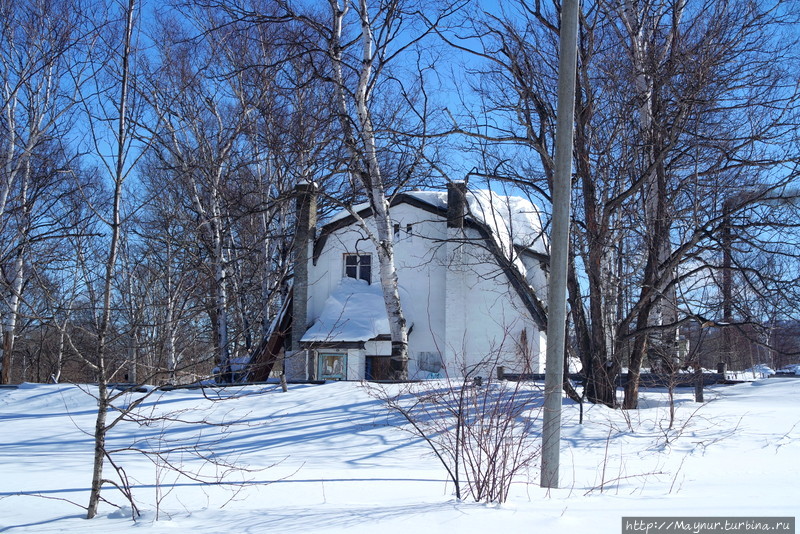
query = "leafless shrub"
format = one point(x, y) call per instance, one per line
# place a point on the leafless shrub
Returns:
point(182, 444)
point(483, 431)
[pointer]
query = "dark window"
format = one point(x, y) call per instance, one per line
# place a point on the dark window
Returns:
point(358, 266)
point(378, 368)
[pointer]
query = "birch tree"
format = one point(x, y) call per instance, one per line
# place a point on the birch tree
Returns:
point(361, 142)
point(110, 102)
point(364, 41)
point(182, 347)
point(198, 143)
point(292, 138)
point(39, 45)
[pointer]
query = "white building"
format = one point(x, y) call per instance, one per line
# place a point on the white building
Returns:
point(471, 269)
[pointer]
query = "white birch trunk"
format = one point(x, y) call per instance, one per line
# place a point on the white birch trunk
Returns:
point(103, 399)
point(29, 115)
point(10, 319)
point(221, 302)
point(169, 321)
point(62, 334)
point(210, 223)
point(17, 271)
point(364, 153)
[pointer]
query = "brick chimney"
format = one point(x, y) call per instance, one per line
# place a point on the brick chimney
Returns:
point(456, 203)
point(455, 309)
point(306, 214)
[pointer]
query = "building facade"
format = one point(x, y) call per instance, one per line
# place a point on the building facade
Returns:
point(472, 278)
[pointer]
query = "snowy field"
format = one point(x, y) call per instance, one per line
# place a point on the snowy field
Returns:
point(330, 458)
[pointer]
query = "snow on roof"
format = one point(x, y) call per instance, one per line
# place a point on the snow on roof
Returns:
point(437, 199)
point(341, 214)
point(354, 311)
point(512, 219)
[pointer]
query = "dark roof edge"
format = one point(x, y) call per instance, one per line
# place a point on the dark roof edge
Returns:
point(400, 198)
point(517, 280)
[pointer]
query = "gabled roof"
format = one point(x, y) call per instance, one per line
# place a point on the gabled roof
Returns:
point(343, 219)
point(507, 225)
point(513, 221)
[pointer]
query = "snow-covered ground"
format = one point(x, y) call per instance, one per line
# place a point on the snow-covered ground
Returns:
point(330, 458)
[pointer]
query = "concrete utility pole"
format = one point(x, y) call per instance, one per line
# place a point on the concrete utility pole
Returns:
point(559, 244)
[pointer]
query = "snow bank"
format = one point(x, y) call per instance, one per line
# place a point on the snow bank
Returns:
point(330, 459)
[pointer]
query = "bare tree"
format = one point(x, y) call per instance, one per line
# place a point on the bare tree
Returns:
point(199, 144)
point(170, 269)
point(110, 102)
point(700, 102)
point(363, 41)
point(39, 46)
point(483, 431)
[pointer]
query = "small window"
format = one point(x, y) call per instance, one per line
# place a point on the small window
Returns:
point(358, 266)
point(397, 230)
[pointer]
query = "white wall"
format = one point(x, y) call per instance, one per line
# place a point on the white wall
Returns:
point(490, 313)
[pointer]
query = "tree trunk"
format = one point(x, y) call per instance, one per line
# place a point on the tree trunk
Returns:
point(640, 344)
point(99, 447)
point(364, 156)
point(10, 323)
point(221, 306)
point(631, 399)
point(599, 373)
point(110, 266)
point(391, 291)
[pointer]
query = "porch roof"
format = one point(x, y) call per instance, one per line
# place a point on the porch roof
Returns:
point(354, 311)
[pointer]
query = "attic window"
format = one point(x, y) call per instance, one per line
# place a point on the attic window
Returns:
point(358, 266)
point(400, 234)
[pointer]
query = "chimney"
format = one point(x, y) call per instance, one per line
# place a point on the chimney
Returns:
point(455, 286)
point(306, 214)
point(456, 203)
